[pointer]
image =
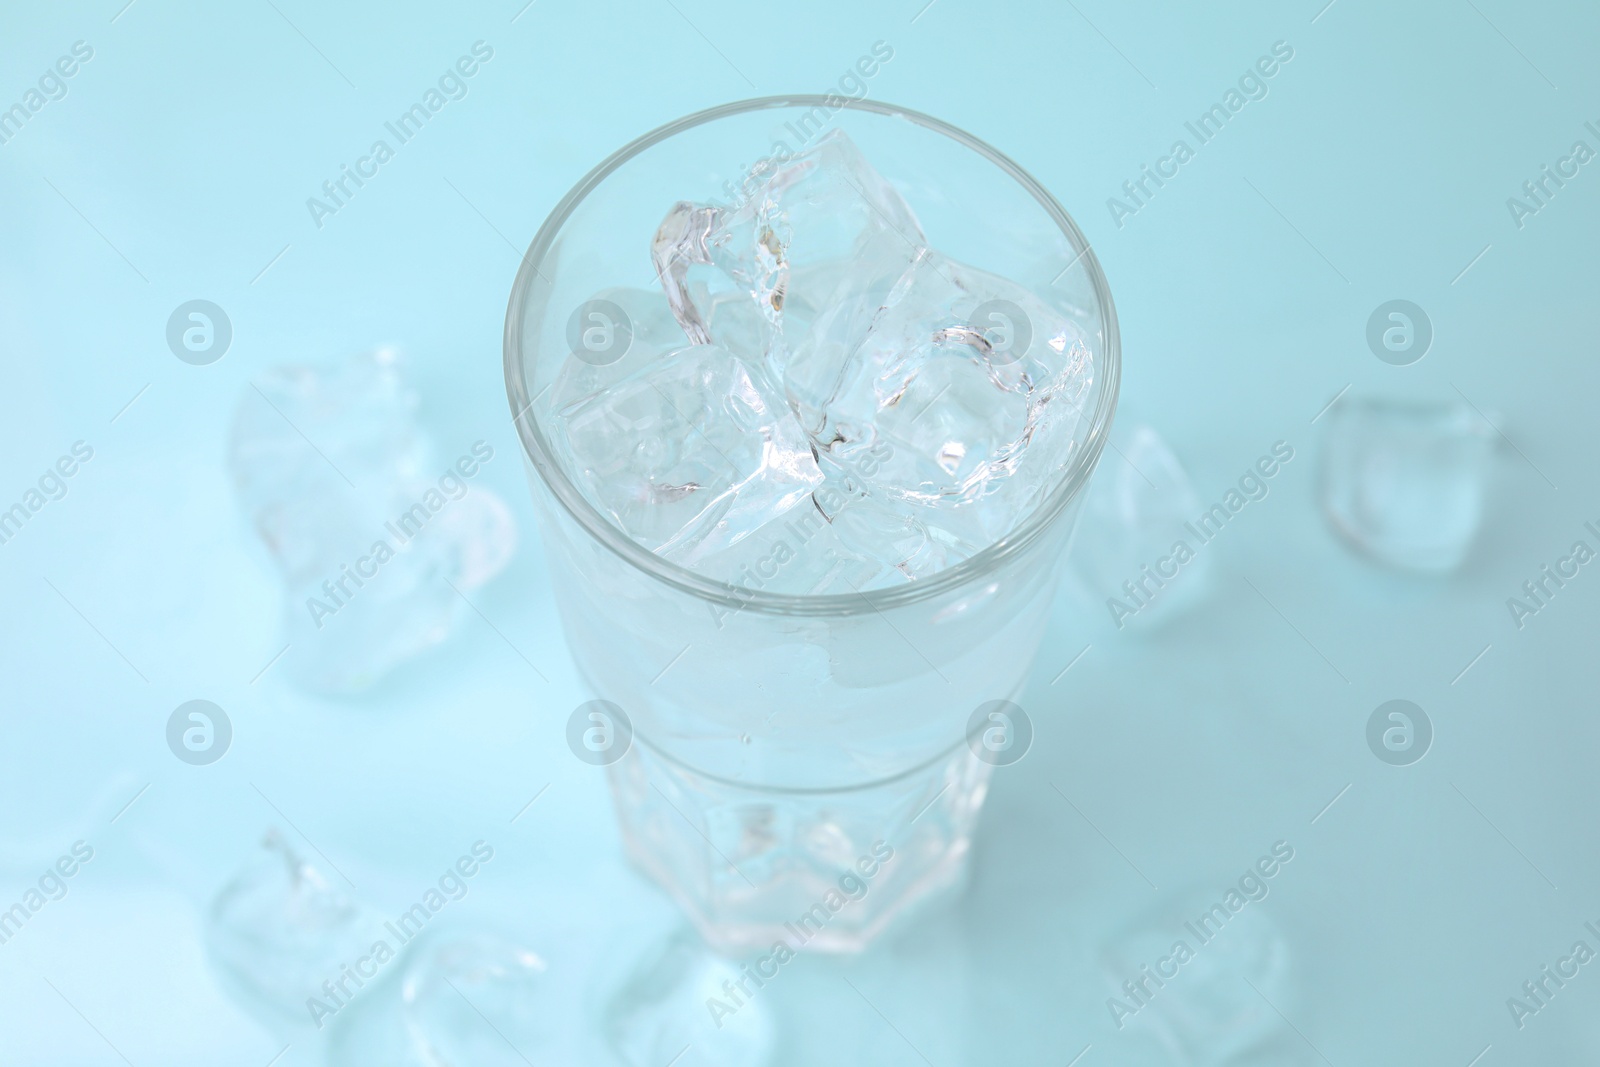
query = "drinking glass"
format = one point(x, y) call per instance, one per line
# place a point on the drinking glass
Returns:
point(796, 768)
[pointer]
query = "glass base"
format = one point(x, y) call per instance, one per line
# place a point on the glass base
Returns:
point(822, 870)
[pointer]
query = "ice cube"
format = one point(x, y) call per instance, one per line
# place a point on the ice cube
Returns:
point(477, 998)
point(1405, 482)
point(799, 552)
point(1216, 1000)
point(614, 334)
point(937, 401)
point(279, 930)
point(815, 231)
point(676, 998)
point(962, 388)
point(906, 541)
point(1134, 518)
point(368, 528)
point(842, 541)
point(691, 454)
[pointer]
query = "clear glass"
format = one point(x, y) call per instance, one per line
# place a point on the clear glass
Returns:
point(799, 767)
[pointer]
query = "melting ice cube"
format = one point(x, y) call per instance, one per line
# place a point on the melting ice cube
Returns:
point(1133, 519)
point(690, 454)
point(947, 392)
point(1405, 482)
point(639, 329)
point(905, 541)
point(677, 997)
point(477, 999)
point(816, 231)
point(280, 929)
point(839, 369)
point(1214, 1002)
point(368, 528)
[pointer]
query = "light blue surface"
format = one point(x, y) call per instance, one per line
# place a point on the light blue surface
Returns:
point(1377, 167)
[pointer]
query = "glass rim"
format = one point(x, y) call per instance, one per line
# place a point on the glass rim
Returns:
point(537, 451)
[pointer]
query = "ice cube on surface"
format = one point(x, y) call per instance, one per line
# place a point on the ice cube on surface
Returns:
point(1207, 1014)
point(1134, 516)
point(368, 527)
point(661, 1007)
point(1405, 482)
point(812, 230)
point(478, 998)
point(303, 434)
point(691, 454)
point(280, 929)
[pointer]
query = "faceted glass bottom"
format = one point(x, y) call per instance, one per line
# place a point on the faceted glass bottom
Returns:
point(822, 870)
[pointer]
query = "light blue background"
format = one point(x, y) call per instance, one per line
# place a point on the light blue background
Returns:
point(178, 166)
